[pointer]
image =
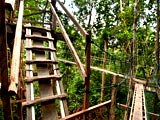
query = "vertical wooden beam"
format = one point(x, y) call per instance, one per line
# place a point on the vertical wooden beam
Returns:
point(4, 64)
point(87, 79)
point(113, 99)
point(157, 39)
point(53, 18)
point(14, 77)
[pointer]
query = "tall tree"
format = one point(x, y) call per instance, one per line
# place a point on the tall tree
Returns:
point(134, 56)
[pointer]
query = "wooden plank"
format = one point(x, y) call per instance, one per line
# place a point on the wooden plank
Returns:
point(40, 61)
point(137, 103)
point(4, 65)
point(44, 99)
point(37, 48)
point(69, 43)
point(38, 78)
point(80, 28)
point(72, 116)
point(34, 28)
point(16, 52)
point(38, 37)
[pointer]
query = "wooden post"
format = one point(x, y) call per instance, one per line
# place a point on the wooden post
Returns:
point(4, 64)
point(113, 99)
point(14, 77)
point(53, 18)
point(87, 81)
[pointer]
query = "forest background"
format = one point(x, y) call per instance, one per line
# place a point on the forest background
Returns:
point(125, 36)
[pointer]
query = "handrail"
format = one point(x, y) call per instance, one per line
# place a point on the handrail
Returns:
point(86, 110)
point(69, 43)
point(80, 28)
point(16, 52)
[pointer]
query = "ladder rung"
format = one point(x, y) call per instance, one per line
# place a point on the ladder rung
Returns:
point(38, 37)
point(41, 61)
point(44, 99)
point(38, 48)
point(38, 29)
point(38, 78)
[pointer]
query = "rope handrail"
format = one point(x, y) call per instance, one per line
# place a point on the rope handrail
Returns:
point(69, 43)
point(16, 52)
point(107, 71)
point(80, 28)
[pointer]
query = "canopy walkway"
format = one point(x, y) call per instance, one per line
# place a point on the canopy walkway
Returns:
point(41, 67)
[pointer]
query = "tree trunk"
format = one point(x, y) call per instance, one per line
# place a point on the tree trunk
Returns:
point(103, 73)
point(113, 99)
point(157, 40)
point(134, 56)
point(4, 64)
point(134, 41)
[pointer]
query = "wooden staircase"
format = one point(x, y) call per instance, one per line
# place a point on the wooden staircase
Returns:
point(42, 70)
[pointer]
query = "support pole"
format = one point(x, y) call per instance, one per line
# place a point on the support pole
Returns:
point(87, 79)
point(4, 65)
point(113, 99)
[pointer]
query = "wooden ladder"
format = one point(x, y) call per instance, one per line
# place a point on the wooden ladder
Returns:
point(42, 71)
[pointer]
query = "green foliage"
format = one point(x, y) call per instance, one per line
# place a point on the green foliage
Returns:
point(116, 27)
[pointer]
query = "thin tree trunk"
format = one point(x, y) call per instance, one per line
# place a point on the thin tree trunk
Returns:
point(90, 15)
point(103, 73)
point(157, 40)
point(134, 41)
point(4, 64)
point(134, 56)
